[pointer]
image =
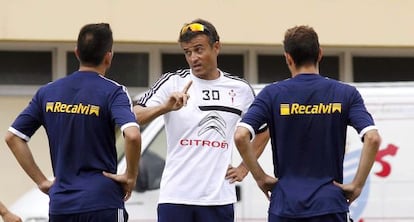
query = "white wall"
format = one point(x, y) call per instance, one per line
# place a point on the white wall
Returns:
point(352, 22)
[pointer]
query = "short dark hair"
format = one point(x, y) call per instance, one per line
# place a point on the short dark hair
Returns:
point(187, 34)
point(302, 44)
point(94, 41)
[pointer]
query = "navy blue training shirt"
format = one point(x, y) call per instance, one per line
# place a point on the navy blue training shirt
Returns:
point(80, 113)
point(308, 117)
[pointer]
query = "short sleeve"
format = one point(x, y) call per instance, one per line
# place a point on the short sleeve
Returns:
point(29, 120)
point(359, 117)
point(121, 109)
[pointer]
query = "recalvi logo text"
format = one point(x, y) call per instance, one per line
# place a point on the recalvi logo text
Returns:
point(301, 109)
point(59, 107)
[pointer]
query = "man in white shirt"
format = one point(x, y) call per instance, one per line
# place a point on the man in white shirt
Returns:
point(197, 184)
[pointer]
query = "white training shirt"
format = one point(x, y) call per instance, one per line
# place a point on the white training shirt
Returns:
point(200, 136)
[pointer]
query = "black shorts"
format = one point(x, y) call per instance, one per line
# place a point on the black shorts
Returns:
point(108, 215)
point(339, 217)
point(195, 213)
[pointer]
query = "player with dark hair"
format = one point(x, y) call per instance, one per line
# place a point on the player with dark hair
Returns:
point(80, 113)
point(197, 184)
point(307, 116)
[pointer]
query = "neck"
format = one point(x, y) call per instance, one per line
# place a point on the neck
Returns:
point(311, 69)
point(215, 75)
point(99, 70)
point(207, 76)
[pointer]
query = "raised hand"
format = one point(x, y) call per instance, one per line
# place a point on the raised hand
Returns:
point(179, 99)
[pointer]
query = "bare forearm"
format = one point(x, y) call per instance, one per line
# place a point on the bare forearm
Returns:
point(372, 142)
point(253, 166)
point(24, 157)
point(242, 140)
point(132, 151)
point(145, 115)
point(3, 209)
point(259, 144)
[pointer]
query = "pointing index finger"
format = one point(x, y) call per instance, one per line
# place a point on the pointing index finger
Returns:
point(187, 86)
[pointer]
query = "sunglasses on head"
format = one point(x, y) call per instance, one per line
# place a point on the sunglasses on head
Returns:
point(194, 27)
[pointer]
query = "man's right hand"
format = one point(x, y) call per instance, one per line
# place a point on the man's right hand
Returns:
point(45, 186)
point(266, 184)
point(178, 99)
point(128, 184)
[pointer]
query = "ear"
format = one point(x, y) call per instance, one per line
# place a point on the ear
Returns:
point(76, 53)
point(320, 55)
point(108, 58)
point(217, 47)
point(289, 60)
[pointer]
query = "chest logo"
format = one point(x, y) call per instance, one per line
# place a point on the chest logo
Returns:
point(232, 94)
point(212, 121)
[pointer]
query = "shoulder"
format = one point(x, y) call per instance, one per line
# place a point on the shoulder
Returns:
point(165, 84)
point(180, 73)
point(238, 81)
point(110, 82)
point(346, 87)
point(277, 86)
point(171, 76)
point(53, 85)
point(235, 78)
